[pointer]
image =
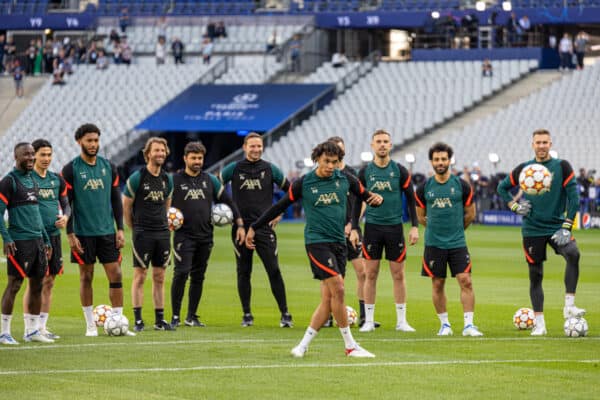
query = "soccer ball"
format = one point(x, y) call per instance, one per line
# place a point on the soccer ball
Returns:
point(101, 314)
point(221, 215)
point(535, 179)
point(576, 327)
point(116, 325)
point(352, 316)
point(174, 218)
point(524, 318)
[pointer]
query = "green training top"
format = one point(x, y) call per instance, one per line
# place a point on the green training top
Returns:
point(19, 194)
point(389, 182)
point(51, 188)
point(548, 209)
point(90, 187)
point(445, 204)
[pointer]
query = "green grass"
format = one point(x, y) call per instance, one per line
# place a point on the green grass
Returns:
point(225, 361)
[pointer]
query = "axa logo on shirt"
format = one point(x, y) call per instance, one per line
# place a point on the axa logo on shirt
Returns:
point(442, 202)
point(194, 194)
point(94, 184)
point(381, 186)
point(251, 184)
point(155, 195)
point(46, 193)
point(327, 199)
point(31, 196)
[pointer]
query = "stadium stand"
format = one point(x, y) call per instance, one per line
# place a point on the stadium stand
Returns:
point(116, 99)
point(567, 108)
point(240, 38)
point(408, 99)
point(250, 70)
point(326, 73)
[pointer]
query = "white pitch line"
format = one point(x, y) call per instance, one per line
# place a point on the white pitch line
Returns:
point(38, 347)
point(292, 365)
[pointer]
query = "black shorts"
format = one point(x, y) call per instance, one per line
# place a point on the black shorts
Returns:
point(436, 259)
point(151, 248)
point(388, 237)
point(327, 259)
point(102, 247)
point(55, 264)
point(354, 253)
point(190, 254)
point(535, 248)
point(29, 259)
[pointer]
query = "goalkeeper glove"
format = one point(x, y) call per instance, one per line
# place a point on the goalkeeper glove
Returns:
point(562, 236)
point(522, 208)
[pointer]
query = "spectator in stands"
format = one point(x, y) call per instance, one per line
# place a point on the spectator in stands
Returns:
point(67, 46)
point(2, 46)
point(124, 19)
point(523, 31)
point(584, 181)
point(512, 28)
point(339, 59)
point(220, 30)
point(126, 51)
point(565, 50)
point(161, 50)
point(211, 31)
point(31, 53)
point(161, 27)
point(58, 69)
point(114, 37)
point(117, 54)
point(10, 53)
point(101, 61)
point(92, 53)
point(581, 41)
point(295, 46)
point(69, 60)
point(17, 72)
point(486, 68)
point(80, 51)
point(177, 47)
point(39, 58)
point(272, 41)
point(207, 49)
point(48, 58)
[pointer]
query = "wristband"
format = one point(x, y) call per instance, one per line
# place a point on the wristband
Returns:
point(567, 225)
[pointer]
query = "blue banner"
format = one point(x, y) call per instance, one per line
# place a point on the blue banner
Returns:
point(233, 108)
point(58, 21)
point(417, 19)
point(501, 218)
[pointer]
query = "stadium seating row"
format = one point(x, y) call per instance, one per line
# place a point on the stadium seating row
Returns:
point(240, 38)
point(567, 108)
point(406, 99)
point(116, 100)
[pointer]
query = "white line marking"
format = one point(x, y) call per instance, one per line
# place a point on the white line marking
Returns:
point(104, 344)
point(292, 365)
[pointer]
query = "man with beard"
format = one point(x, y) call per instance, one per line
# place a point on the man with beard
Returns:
point(26, 245)
point(194, 193)
point(383, 228)
point(146, 199)
point(547, 219)
point(95, 198)
point(445, 207)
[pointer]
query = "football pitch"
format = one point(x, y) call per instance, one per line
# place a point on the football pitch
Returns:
point(226, 361)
